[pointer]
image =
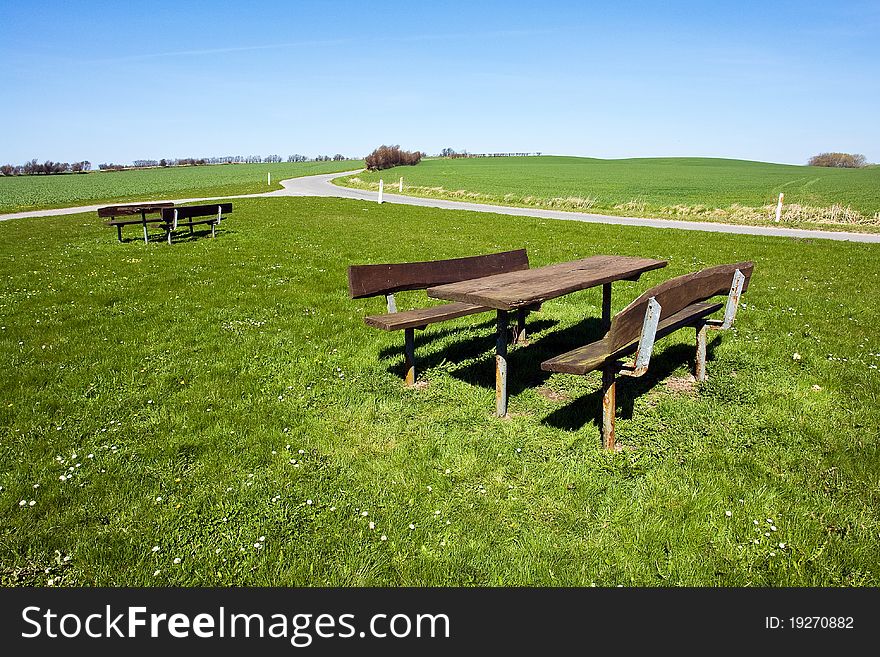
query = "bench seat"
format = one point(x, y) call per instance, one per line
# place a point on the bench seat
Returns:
point(373, 280)
point(421, 317)
point(593, 356)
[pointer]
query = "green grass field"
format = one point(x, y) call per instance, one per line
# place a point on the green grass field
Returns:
point(689, 188)
point(20, 193)
point(215, 412)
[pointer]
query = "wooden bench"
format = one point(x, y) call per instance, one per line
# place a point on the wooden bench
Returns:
point(193, 215)
point(143, 209)
point(376, 280)
point(674, 304)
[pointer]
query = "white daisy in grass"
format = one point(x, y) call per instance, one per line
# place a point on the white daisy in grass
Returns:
point(782, 546)
point(772, 528)
point(156, 548)
point(309, 502)
point(383, 537)
point(32, 502)
point(176, 560)
point(22, 503)
point(156, 572)
point(261, 539)
point(365, 513)
point(728, 513)
point(412, 526)
point(372, 525)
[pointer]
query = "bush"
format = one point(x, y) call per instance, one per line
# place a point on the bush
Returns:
point(845, 160)
point(386, 157)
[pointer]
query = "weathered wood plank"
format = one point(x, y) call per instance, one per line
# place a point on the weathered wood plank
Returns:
point(373, 280)
point(592, 356)
point(422, 316)
point(674, 295)
point(518, 289)
point(188, 211)
point(125, 210)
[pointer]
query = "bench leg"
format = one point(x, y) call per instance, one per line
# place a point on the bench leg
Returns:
point(168, 236)
point(119, 232)
point(409, 352)
point(609, 401)
point(146, 239)
point(700, 361)
point(519, 337)
point(501, 364)
point(191, 230)
point(213, 234)
point(606, 307)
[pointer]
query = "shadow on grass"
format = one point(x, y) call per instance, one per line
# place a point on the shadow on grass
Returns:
point(156, 236)
point(461, 350)
point(579, 412)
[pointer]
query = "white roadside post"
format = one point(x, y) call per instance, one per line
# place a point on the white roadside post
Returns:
point(381, 186)
point(269, 178)
point(779, 207)
point(400, 188)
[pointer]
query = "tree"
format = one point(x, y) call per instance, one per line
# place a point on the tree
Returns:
point(386, 157)
point(843, 160)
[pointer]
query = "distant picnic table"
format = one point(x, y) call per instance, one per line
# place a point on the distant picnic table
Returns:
point(519, 290)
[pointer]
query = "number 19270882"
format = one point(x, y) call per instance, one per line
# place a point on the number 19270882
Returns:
point(809, 623)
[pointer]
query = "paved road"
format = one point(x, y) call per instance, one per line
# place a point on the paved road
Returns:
point(321, 186)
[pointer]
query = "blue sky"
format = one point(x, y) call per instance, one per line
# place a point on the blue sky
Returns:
point(772, 81)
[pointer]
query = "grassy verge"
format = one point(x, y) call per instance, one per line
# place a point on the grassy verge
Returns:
point(690, 189)
point(21, 193)
point(215, 412)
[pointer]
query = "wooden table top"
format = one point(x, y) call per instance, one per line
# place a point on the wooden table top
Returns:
point(518, 289)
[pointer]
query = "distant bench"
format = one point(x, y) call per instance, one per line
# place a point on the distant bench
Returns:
point(677, 303)
point(143, 209)
point(193, 215)
point(375, 280)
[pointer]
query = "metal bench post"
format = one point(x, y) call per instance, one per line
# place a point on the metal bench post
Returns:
point(646, 341)
point(732, 306)
point(144, 220)
point(410, 355)
point(700, 360)
point(609, 403)
point(501, 364)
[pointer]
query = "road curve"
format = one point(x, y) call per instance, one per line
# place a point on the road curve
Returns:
point(321, 185)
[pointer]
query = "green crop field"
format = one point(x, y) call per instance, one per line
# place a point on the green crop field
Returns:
point(686, 188)
point(215, 412)
point(20, 193)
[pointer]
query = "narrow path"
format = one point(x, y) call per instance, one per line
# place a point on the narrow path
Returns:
point(321, 185)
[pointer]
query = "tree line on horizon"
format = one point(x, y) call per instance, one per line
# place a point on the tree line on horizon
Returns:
point(34, 168)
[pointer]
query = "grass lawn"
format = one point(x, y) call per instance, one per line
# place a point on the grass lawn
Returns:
point(682, 188)
point(20, 193)
point(221, 403)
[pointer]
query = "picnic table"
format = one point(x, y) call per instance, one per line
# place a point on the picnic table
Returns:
point(517, 290)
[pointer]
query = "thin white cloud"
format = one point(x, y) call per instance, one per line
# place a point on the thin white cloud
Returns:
point(324, 42)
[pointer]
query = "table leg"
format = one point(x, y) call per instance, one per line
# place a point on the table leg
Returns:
point(501, 364)
point(606, 307)
point(520, 337)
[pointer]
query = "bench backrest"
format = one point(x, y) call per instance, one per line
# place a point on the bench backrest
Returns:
point(125, 210)
point(674, 295)
point(187, 211)
point(373, 280)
